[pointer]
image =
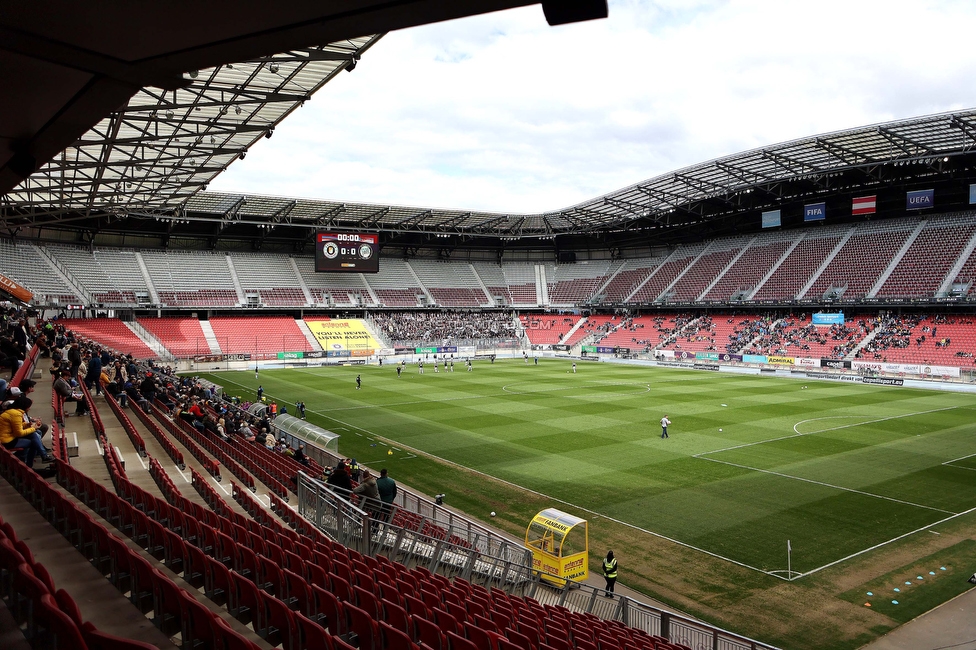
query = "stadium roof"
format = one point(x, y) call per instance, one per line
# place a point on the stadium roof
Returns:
point(151, 158)
point(163, 146)
point(65, 66)
point(144, 168)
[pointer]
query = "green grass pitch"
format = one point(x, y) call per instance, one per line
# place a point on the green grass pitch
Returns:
point(752, 461)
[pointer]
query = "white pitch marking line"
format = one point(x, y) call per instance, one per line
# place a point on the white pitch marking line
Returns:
point(829, 485)
point(893, 539)
point(810, 433)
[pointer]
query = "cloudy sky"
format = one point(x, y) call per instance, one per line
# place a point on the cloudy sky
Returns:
point(504, 113)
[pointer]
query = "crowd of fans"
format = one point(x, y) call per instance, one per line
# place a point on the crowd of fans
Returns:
point(445, 327)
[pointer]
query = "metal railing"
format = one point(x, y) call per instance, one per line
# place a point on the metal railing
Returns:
point(488, 560)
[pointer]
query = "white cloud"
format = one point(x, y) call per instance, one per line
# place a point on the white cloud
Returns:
point(502, 112)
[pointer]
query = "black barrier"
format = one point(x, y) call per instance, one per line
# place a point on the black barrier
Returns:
point(837, 364)
point(884, 381)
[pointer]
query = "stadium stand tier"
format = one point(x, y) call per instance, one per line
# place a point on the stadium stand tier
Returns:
point(898, 259)
point(259, 335)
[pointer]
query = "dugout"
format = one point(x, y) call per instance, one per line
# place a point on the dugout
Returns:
point(560, 546)
point(318, 441)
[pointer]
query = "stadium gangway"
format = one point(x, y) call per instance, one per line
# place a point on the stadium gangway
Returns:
point(422, 511)
point(490, 560)
point(507, 567)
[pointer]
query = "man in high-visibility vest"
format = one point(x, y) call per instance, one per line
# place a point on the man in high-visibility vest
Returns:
point(610, 572)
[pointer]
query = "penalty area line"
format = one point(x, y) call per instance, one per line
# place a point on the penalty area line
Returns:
point(885, 543)
point(797, 434)
point(827, 485)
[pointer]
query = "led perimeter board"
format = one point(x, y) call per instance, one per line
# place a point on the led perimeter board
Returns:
point(347, 252)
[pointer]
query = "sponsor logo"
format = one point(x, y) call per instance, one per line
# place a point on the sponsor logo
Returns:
point(883, 381)
point(706, 366)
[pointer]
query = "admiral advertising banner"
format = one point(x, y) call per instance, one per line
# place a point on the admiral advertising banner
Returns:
point(342, 334)
point(771, 219)
point(920, 199)
point(785, 360)
point(823, 318)
point(814, 212)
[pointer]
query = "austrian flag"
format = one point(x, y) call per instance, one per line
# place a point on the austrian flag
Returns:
point(865, 205)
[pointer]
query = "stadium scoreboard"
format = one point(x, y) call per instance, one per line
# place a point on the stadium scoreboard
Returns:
point(347, 252)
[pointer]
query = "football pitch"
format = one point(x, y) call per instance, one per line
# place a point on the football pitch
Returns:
point(752, 462)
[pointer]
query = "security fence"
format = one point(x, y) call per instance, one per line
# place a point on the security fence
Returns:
point(448, 544)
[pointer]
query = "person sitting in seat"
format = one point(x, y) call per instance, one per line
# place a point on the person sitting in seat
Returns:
point(15, 435)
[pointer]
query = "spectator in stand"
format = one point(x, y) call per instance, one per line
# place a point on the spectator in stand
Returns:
point(148, 388)
point(387, 489)
point(74, 359)
point(63, 388)
point(339, 478)
point(14, 435)
point(370, 495)
point(300, 455)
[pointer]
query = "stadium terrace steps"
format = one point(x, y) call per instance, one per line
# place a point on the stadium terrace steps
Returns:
point(258, 335)
point(547, 330)
point(35, 277)
point(923, 268)
point(181, 336)
point(889, 269)
point(747, 270)
point(62, 272)
point(874, 242)
point(664, 275)
point(112, 333)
